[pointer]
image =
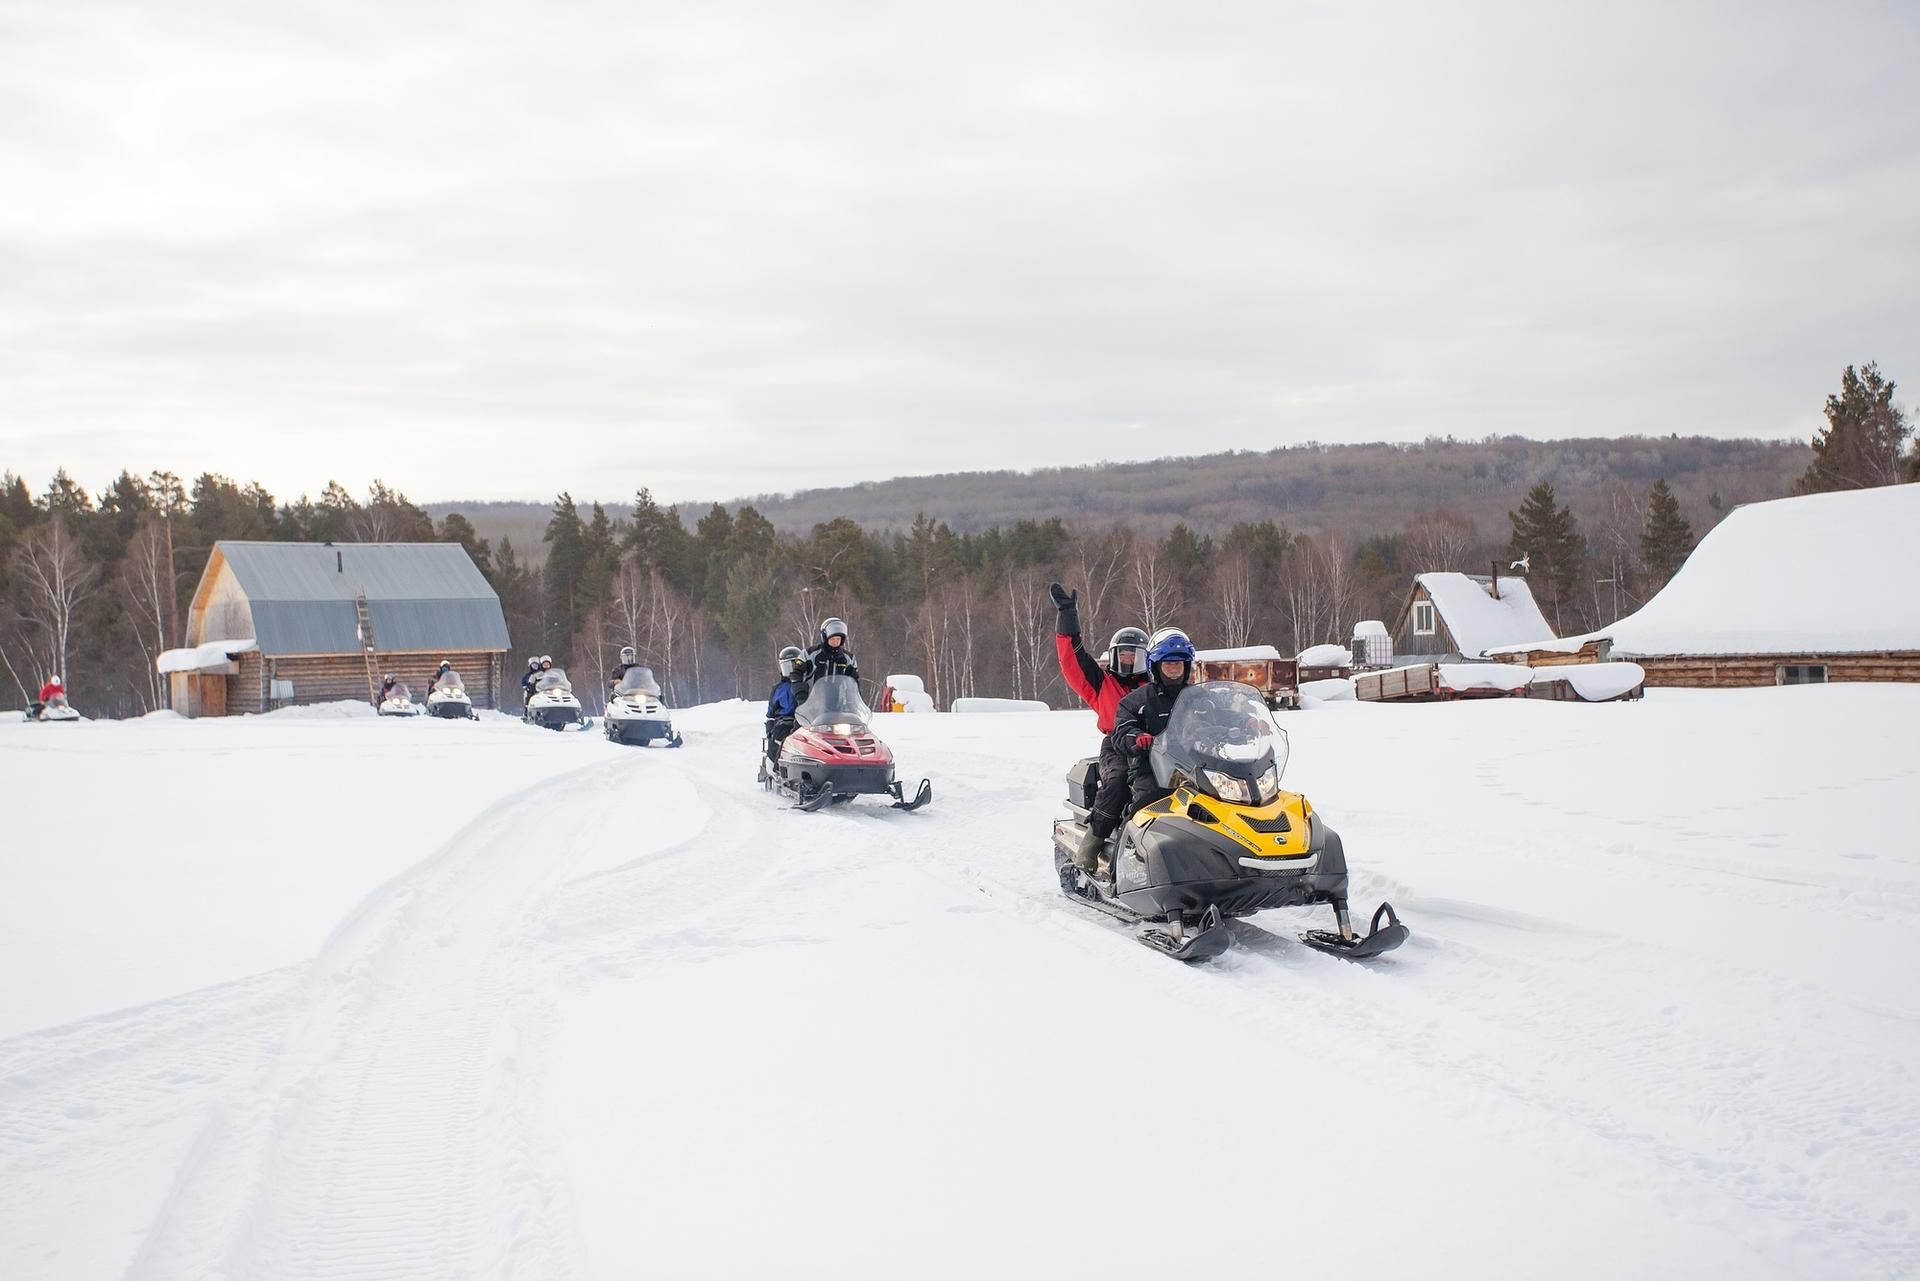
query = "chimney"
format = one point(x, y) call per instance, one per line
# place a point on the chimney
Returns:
point(1496, 580)
point(339, 561)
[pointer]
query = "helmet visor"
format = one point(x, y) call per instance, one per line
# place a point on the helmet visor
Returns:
point(1128, 660)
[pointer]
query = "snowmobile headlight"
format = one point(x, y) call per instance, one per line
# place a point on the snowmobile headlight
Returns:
point(1267, 785)
point(1227, 787)
point(843, 729)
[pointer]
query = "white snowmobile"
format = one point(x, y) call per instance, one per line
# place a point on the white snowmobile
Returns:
point(552, 704)
point(398, 701)
point(55, 711)
point(449, 701)
point(635, 713)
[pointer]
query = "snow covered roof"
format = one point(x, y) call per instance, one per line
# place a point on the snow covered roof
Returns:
point(212, 656)
point(1243, 654)
point(1325, 656)
point(1819, 574)
point(1476, 620)
point(422, 596)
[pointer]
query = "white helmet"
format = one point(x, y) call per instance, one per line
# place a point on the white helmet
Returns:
point(626, 654)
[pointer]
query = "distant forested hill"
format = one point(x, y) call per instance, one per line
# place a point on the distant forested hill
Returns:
point(1354, 490)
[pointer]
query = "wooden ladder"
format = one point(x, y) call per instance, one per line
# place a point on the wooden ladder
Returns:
point(365, 617)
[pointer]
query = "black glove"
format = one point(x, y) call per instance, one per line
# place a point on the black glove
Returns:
point(1068, 603)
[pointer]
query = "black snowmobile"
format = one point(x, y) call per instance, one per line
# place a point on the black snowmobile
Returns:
point(1227, 842)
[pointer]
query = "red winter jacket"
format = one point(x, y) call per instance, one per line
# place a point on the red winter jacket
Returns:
point(51, 688)
point(1097, 687)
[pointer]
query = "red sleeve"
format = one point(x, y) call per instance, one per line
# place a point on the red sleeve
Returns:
point(1083, 675)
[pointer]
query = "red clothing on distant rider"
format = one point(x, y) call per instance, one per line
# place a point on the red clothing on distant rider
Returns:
point(51, 688)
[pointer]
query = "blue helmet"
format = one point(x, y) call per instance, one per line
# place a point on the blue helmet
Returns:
point(1169, 642)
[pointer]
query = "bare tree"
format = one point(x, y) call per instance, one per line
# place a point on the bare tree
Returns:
point(1439, 540)
point(1100, 562)
point(146, 577)
point(54, 578)
point(1233, 597)
point(1151, 586)
point(1319, 589)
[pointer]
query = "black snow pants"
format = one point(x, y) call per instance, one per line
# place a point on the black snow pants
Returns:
point(1110, 801)
point(777, 731)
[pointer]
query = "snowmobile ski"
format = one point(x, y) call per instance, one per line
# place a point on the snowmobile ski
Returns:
point(921, 797)
point(1354, 948)
point(1203, 942)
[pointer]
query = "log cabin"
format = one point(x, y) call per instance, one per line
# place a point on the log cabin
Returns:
point(1792, 591)
point(279, 624)
point(1452, 618)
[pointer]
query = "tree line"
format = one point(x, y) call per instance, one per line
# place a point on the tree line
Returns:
point(95, 587)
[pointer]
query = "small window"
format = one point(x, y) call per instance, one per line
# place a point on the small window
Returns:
point(1423, 618)
point(1801, 674)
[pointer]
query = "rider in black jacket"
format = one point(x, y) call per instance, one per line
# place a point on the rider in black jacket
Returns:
point(1143, 714)
point(831, 656)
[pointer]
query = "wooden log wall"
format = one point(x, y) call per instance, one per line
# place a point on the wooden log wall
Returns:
point(325, 678)
point(1749, 670)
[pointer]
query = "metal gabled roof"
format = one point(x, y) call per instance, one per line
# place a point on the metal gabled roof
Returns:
point(421, 596)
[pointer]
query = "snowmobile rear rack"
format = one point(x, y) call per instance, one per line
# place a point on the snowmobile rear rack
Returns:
point(1345, 943)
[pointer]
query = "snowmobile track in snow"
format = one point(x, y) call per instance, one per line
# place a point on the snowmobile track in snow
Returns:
point(386, 1138)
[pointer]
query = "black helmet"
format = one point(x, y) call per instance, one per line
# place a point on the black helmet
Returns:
point(1126, 653)
point(834, 627)
point(788, 657)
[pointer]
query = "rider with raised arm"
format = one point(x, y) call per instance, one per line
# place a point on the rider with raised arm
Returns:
point(1101, 685)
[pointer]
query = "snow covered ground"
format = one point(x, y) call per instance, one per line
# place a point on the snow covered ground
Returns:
point(317, 995)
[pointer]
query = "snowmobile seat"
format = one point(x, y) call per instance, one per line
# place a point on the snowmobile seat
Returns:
point(1083, 780)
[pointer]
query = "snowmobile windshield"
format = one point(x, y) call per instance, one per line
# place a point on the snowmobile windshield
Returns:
point(835, 700)
point(58, 700)
point(450, 682)
point(639, 680)
point(399, 694)
point(553, 679)
point(1222, 739)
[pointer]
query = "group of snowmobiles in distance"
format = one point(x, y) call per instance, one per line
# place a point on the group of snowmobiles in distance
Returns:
point(447, 697)
point(635, 713)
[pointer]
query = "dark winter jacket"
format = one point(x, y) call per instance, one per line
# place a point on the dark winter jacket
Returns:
point(1144, 711)
point(619, 670)
point(783, 702)
point(824, 660)
point(1097, 687)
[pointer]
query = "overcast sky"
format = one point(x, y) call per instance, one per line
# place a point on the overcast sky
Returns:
point(489, 251)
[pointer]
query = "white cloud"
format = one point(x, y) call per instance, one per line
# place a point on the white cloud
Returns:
point(486, 251)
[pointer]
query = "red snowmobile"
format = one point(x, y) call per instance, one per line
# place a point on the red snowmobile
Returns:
point(833, 755)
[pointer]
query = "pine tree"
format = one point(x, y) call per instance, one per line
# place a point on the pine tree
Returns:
point(1545, 535)
point(566, 539)
point(1860, 446)
point(456, 528)
point(1668, 537)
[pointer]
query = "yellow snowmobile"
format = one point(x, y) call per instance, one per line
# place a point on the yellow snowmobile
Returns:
point(1225, 841)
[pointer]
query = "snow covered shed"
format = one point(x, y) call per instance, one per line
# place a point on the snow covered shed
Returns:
point(287, 623)
point(1787, 592)
point(1461, 616)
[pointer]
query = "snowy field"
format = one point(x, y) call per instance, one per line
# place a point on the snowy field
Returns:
point(317, 995)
